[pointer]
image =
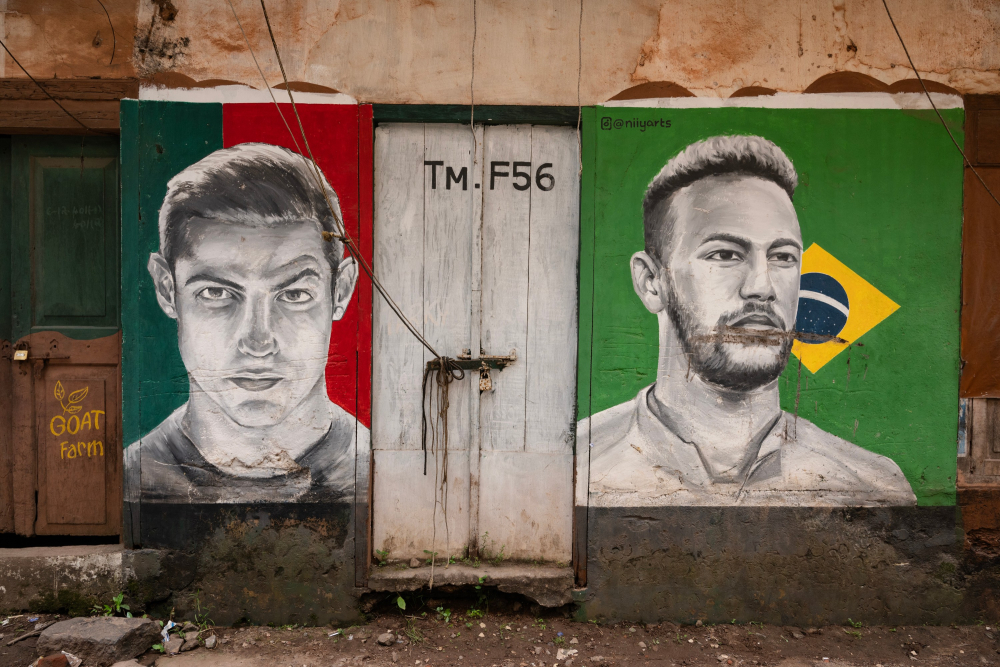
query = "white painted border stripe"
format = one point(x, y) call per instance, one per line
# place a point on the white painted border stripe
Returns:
point(823, 298)
point(801, 101)
point(237, 94)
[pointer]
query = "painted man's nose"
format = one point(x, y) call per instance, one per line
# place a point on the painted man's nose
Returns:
point(258, 337)
point(758, 286)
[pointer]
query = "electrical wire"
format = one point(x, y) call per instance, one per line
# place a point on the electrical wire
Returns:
point(341, 228)
point(934, 106)
point(264, 78)
point(114, 37)
point(42, 88)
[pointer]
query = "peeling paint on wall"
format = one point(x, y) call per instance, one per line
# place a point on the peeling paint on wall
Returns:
point(525, 52)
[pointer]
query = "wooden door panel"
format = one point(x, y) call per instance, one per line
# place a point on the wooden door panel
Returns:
point(67, 449)
point(397, 357)
point(506, 240)
point(479, 242)
point(65, 444)
point(426, 254)
point(448, 248)
point(550, 357)
point(6, 452)
point(527, 505)
point(72, 269)
point(65, 236)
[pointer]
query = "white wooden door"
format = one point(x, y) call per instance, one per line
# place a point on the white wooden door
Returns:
point(477, 239)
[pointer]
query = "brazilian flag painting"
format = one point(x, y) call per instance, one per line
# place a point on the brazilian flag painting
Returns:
point(875, 356)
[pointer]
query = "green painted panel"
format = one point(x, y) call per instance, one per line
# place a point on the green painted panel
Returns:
point(880, 190)
point(159, 139)
point(65, 236)
point(5, 257)
point(585, 331)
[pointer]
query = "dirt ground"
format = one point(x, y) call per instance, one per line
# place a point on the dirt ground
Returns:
point(447, 634)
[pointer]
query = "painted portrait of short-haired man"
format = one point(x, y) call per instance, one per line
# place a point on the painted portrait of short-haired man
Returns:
point(720, 271)
point(244, 270)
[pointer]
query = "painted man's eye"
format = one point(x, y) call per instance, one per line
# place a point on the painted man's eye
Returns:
point(215, 294)
point(295, 296)
point(785, 258)
point(724, 255)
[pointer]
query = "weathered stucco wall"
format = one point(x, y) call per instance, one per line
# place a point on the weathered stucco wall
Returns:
point(526, 52)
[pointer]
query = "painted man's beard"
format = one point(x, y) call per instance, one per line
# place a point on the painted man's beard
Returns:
point(709, 354)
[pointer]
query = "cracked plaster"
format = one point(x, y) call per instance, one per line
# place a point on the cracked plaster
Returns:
point(420, 51)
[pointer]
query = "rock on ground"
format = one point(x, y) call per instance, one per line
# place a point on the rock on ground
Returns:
point(100, 641)
point(174, 645)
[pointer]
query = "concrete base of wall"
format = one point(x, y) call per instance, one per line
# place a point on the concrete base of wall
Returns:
point(73, 578)
point(802, 566)
point(549, 586)
point(784, 566)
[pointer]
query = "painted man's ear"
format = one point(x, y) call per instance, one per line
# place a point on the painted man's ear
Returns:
point(163, 282)
point(645, 281)
point(347, 278)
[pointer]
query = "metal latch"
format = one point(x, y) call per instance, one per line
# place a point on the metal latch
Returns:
point(483, 364)
point(23, 353)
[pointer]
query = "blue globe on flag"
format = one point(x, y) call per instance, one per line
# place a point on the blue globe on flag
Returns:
point(823, 307)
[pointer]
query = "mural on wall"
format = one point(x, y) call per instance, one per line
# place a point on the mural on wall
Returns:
point(245, 271)
point(723, 375)
point(247, 330)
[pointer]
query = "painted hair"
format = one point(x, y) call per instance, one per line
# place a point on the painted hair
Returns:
point(715, 156)
point(255, 185)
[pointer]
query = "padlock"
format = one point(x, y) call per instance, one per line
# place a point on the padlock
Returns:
point(485, 382)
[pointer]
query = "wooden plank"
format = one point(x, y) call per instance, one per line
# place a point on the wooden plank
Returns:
point(581, 500)
point(6, 453)
point(581, 482)
point(363, 452)
point(506, 213)
point(554, 244)
point(69, 89)
point(44, 116)
point(980, 288)
point(397, 357)
point(403, 515)
point(130, 276)
point(447, 245)
point(23, 439)
point(530, 515)
point(503, 114)
point(6, 345)
point(475, 445)
point(79, 452)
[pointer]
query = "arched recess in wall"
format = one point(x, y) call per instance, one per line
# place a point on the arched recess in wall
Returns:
point(305, 87)
point(754, 91)
point(653, 89)
point(855, 82)
point(178, 80)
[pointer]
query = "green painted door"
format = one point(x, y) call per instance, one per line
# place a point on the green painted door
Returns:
point(65, 236)
point(64, 453)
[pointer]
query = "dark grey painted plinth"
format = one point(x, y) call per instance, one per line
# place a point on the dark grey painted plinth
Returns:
point(261, 563)
point(804, 566)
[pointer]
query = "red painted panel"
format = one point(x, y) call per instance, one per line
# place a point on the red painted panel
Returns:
point(340, 138)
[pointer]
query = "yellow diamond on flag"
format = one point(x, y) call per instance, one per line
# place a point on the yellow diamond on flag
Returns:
point(834, 302)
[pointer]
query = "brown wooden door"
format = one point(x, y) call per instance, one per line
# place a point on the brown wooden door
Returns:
point(64, 445)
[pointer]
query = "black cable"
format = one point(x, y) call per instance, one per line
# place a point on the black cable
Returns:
point(934, 106)
point(42, 88)
point(114, 38)
point(348, 241)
